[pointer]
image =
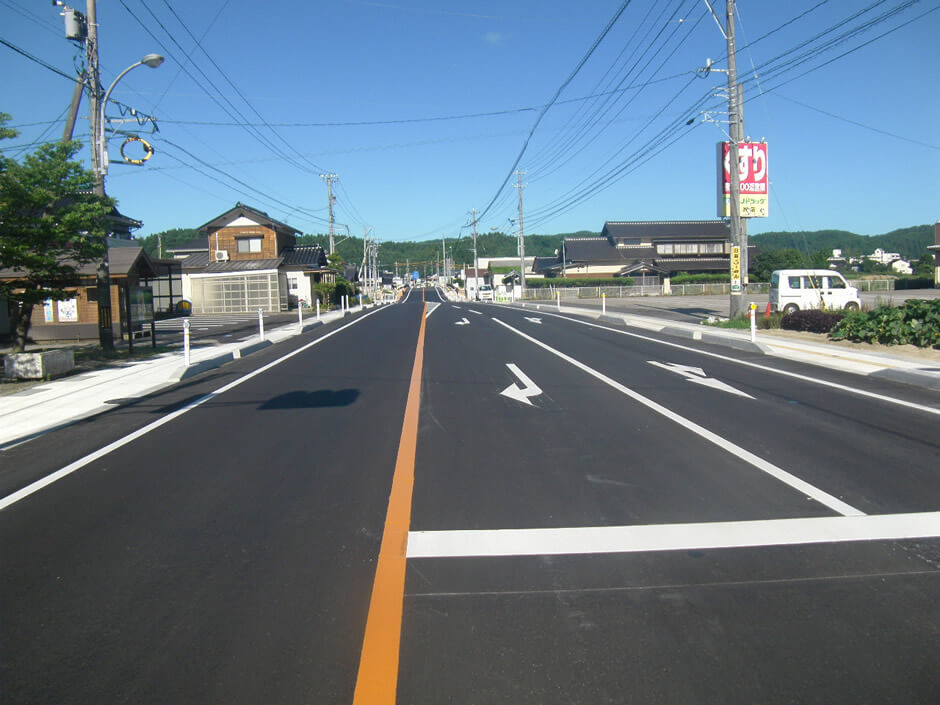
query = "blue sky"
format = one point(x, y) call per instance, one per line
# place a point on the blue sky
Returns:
point(422, 108)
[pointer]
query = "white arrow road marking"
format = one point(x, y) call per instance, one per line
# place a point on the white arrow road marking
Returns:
point(534, 320)
point(462, 322)
point(528, 389)
point(697, 375)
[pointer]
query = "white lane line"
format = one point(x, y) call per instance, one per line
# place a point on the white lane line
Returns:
point(476, 312)
point(101, 452)
point(762, 368)
point(834, 503)
point(432, 307)
point(671, 537)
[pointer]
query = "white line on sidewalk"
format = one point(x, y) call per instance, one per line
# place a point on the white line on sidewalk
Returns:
point(671, 537)
point(101, 452)
point(834, 503)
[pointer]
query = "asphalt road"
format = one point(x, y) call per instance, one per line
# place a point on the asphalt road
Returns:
point(593, 515)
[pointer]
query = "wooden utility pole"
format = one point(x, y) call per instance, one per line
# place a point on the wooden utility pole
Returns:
point(476, 260)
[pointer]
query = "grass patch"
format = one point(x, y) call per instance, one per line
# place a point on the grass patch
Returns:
point(771, 322)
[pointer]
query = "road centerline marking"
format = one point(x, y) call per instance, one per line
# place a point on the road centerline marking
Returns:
point(377, 678)
point(824, 498)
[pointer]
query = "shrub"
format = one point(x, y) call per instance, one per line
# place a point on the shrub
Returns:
point(913, 283)
point(683, 278)
point(917, 322)
point(561, 282)
point(811, 321)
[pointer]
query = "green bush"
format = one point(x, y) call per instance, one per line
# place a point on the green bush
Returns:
point(917, 322)
point(561, 283)
point(683, 278)
point(812, 321)
point(910, 282)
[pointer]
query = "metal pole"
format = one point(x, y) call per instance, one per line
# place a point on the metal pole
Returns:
point(261, 323)
point(186, 357)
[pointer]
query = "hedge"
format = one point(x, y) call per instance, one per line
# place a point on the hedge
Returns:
point(917, 322)
point(562, 283)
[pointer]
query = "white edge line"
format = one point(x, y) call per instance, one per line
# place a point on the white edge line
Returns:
point(834, 503)
point(671, 537)
point(763, 368)
point(43, 482)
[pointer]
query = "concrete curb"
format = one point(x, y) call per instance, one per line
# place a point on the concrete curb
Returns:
point(912, 377)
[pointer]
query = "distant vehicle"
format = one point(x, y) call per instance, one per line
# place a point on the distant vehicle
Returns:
point(485, 293)
point(801, 289)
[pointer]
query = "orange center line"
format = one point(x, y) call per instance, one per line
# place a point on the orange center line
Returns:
point(377, 680)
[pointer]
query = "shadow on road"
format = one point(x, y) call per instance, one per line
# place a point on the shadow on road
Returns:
point(310, 400)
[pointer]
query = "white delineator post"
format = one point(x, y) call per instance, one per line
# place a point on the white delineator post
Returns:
point(261, 323)
point(186, 342)
point(753, 322)
point(318, 309)
point(559, 299)
point(300, 317)
point(604, 304)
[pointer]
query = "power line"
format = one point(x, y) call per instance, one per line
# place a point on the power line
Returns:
point(558, 92)
point(39, 61)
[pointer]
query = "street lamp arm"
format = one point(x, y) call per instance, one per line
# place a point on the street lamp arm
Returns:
point(151, 60)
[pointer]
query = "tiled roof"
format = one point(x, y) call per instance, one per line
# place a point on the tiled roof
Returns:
point(305, 255)
point(659, 230)
point(243, 265)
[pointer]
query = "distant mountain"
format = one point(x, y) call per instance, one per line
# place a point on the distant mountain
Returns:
point(424, 255)
point(910, 242)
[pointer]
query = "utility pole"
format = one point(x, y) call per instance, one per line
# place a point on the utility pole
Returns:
point(330, 178)
point(736, 132)
point(444, 256)
point(520, 186)
point(103, 272)
point(476, 260)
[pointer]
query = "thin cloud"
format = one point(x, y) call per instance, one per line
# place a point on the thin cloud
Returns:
point(494, 37)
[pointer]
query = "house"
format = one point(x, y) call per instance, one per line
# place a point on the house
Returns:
point(882, 257)
point(252, 261)
point(473, 279)
point(77, 318)
point(646, 248)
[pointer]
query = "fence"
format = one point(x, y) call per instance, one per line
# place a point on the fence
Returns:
point(724, 288)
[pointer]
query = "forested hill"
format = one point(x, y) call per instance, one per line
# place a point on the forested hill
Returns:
point(909, 242)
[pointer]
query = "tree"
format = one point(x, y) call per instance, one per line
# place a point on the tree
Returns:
point(766, 262)
point(50, 224)
point(924, 267)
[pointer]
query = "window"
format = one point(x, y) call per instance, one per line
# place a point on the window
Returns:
point(836, 283)
point(794, 282)
point(249, 244)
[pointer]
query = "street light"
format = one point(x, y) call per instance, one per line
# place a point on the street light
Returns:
point(100, 165)
point(150, 60)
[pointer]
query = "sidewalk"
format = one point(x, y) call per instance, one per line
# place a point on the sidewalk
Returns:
point(42, 407)
point(919, 371)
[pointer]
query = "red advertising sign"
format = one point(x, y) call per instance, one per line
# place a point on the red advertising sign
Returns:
point(753, 174)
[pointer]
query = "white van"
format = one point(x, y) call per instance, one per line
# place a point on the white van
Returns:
point(800, 289)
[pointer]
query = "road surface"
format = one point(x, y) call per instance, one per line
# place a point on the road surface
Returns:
point(470, 503)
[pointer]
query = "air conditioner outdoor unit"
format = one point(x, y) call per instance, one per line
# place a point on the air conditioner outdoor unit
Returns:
point(221, 255)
